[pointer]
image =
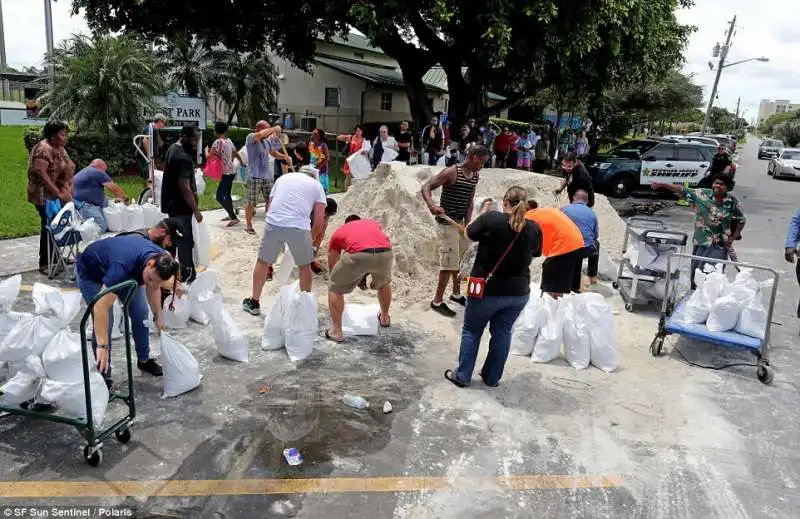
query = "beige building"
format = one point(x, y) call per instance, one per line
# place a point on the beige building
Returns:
point(768, 107)
point(351, 82)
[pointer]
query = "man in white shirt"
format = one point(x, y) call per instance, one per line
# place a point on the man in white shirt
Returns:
point(293, 197)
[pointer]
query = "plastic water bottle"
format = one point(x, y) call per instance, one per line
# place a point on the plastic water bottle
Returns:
point(355, 401)
point(293, 456)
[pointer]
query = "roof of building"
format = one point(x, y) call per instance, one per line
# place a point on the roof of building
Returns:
point(373, 73)
point(356, 41)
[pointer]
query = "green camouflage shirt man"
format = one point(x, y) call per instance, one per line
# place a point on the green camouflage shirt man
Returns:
point(713, 222)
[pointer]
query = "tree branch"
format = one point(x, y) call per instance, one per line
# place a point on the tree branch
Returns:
point(427, 36)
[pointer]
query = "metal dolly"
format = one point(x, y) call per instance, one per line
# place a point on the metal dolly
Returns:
point(93, 453)
point(654, 233)
point(671, 320)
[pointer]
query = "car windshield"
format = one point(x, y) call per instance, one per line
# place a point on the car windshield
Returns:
point(724, 140)
point(631, 149)
point(772, 143)
point(791, 155)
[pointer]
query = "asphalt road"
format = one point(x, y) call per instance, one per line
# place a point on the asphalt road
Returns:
point(657, 440)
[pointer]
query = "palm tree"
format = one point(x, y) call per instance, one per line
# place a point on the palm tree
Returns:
point(247, 82)
point(187, 64)
point(102, 82)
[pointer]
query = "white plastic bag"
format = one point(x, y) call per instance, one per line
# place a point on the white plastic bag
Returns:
point(600, 316)
point(272, 339)
point(360, 320)
point(548, 343)
point(9, 290)
point(54, 311)
point(753, 319)
point(577, 342)
point(18, 389)
point(231, 344)
point(300, 325)
point(134, 219)
point(158, 179)
point(181, 369)
point(389, 155)
point(71, 397)
point(360, 167)
point(710, 286)
point(528, 325)
point(200, 181)
point(62, 358)
point(89, 230)
point(117, 328)
point(116, 217)
point(202, 243)
point(178, 317)
point(201, 290)
point(724, 313)
point(607, 268)
point(31, 366)
point(152, 214)
point(285, 268)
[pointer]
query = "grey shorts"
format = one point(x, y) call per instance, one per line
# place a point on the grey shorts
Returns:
point(298, 240)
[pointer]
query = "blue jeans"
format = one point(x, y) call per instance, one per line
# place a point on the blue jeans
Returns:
point(500, 313)
point(87, 210)
point(138, 313)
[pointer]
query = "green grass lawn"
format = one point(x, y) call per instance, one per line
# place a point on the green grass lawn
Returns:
point(18, 218)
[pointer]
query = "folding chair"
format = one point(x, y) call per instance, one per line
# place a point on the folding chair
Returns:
point(63, 244)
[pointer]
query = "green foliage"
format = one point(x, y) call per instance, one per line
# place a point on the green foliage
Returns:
point(186, 63)
point(17, 216)
point(722, 120)
point(115, 149)
point(236, 134)
point(768, 126)
point(247, 82)
point(789, 133)
point(516, 126)
point(103, 82)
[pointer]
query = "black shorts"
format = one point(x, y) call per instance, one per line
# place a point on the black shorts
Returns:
point(558, 271)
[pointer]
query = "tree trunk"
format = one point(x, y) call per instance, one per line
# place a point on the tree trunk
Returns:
point(234, 109)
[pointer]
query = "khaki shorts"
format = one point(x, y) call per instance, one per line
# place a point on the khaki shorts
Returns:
point(352, 268)
point(452, 247)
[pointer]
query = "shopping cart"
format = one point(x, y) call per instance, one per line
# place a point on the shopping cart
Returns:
point(646, 248)
point(672, 322)
point(92, 432)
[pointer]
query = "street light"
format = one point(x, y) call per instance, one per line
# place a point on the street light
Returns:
point(723, 65)
point(762, 59)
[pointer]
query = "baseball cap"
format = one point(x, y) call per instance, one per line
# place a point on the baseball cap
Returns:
point(174, 228)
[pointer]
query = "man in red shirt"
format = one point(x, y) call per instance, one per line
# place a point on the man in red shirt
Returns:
point(502, 145)
point(357, 248)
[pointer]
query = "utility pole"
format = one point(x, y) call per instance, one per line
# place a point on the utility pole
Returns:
point(723, 53)
point(48, 28)
point(3, 63)
point(736, 119)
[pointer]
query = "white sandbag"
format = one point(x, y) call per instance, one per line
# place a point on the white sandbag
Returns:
point(600, 320)
point(116, 216)
point(710, 286)
point(607, 268)
point(360, 167)
point(640, 254)
point(134, 218)
point(551, 335)
point(62, 359)
point(9, 320)
point(18, 389)
point(152, 214)
point(158, 180)
point(201, 290)
point(389, 155)
point(178, 317)
point(724, 313)
point(9, 290)
point(577, 342)
point(181, 369)
point(285, 268)
point(526, 328)
point(300, 325)
point(32, 366)
point(230, 342)
point(476, 209)
point(117, 327)
point(360, 320)
point(89, 230)
point(753, 319)
point(70, 398)
point(200, 182)
point(53, 311)
point(202, 243)
point(272, 338)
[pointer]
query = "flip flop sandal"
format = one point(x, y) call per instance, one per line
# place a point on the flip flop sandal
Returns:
point(448, 374)
point(332, 338)
point(226, 219)
point(231, 223)
point(380, 321)
point(250, 230)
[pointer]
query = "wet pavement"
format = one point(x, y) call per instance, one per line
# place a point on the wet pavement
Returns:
point(658, 439)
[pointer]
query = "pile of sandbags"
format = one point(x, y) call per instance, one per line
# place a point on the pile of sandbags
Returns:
point(292, 322)
point(46, 358)
point(152, 214)
point(724, 306)
point(125, 218)
point(582, 324)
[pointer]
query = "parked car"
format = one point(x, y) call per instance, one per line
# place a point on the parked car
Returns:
point(769, 148)
point(619, 173)
point(786, 164)
point(727, 140)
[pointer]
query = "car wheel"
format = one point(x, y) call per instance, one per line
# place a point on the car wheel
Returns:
point(622, 185)
point(769, 171)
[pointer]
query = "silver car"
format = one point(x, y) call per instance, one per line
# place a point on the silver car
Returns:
point(786, 164)
point(769, 148)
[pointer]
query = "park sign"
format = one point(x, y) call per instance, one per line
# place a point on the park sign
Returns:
point(180, 110)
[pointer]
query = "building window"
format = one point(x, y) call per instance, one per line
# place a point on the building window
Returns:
point(332, 97)
point(386, 102)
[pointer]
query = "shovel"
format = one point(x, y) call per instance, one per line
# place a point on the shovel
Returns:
point(452, 222)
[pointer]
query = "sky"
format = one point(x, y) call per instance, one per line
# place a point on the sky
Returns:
point(769, 28)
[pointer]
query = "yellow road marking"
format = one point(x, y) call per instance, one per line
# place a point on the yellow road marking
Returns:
point(188, 488)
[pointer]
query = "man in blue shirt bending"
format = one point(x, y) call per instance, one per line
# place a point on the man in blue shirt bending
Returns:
point(88, 192)
point(585, 219)
point(793, 246)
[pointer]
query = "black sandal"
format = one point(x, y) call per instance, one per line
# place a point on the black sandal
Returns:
point(380, 321)
point(448, 374)
point(332, 338)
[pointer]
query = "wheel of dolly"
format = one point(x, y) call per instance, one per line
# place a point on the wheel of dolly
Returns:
point(123, 435)
point(765, 374)
point(93, 459)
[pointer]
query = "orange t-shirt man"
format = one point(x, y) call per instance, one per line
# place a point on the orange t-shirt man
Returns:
point(560, 235)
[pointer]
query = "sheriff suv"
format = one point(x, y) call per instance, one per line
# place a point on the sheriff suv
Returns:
point(629, 167)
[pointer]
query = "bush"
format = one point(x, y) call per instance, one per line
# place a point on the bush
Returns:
point(115, 149)
point(236, 134)
point(789, 133)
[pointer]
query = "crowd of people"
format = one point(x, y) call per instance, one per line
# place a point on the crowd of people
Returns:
point(359, 252)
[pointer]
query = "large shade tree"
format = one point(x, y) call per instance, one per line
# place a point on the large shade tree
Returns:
point(187, 63)
point(509, 47)
point(247, 82)
point(102, 82)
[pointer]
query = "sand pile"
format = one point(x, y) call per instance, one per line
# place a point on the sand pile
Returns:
point(392, 196)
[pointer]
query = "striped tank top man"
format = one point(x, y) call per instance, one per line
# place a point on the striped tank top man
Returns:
point(456, 199)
